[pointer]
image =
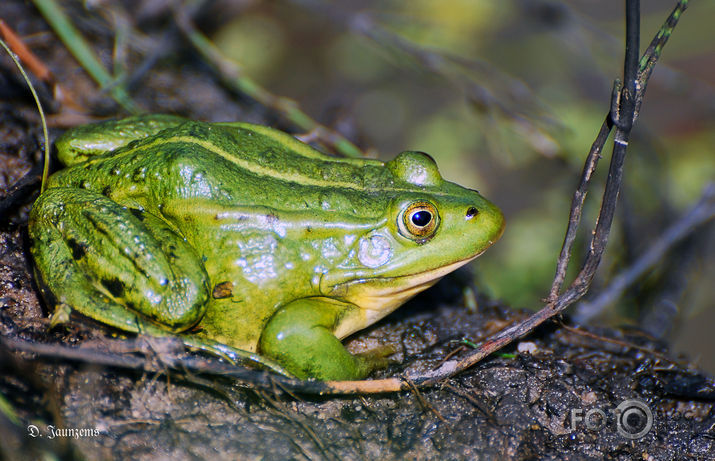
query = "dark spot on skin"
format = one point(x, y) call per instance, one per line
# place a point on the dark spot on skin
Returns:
point(114, 286)
point(138, 175)
point(309, 229)
point(139, 214)
point(78, 249)
point(471, 212)
point(222, 290)
point(106, 191)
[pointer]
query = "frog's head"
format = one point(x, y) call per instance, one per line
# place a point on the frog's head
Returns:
point(430, 228)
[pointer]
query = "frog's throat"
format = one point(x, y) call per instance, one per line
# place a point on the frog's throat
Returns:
point(379, 296)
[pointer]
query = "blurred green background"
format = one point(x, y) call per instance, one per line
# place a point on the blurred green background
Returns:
point(508, 96)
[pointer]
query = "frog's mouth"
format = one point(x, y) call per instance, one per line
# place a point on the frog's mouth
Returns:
point(379, 296)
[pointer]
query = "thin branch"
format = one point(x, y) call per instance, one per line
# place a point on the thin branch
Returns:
point(631, 96)
point(623, 117)
point(655, 49)
point(637, 88)
point(624, 344)
point(579, 198)
point(134, 355)
point(630, 66)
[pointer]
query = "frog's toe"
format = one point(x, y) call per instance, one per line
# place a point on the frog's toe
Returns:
point(61, 315)
point(232, 354)
point(377, 358)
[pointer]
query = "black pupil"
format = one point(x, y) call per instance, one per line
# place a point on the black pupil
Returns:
point(421, 218)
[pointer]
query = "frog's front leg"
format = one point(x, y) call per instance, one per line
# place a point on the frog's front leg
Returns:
point(125, 268)
point(300, 336)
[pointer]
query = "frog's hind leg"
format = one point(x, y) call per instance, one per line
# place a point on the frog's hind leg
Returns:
point(121, 267)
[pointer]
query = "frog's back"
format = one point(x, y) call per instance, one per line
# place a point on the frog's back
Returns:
point(256, 164)
point(235, 164)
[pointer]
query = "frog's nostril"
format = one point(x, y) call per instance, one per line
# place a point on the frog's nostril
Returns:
point(471, 212)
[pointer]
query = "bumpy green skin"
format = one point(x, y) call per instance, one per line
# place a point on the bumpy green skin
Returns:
point(250, 239)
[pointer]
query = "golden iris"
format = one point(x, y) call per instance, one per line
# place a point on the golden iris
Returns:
point(419, 220)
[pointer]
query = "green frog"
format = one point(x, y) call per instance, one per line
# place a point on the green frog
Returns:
point(244, 241)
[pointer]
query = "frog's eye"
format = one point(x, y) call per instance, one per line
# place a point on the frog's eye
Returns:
point(419, 221)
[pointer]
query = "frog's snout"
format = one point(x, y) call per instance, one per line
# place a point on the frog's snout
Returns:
point(489, 216)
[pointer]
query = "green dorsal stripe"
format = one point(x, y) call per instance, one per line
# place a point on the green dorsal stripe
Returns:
point(380, 178)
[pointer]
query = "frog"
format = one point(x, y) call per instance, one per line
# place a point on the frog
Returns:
point(244, 241)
